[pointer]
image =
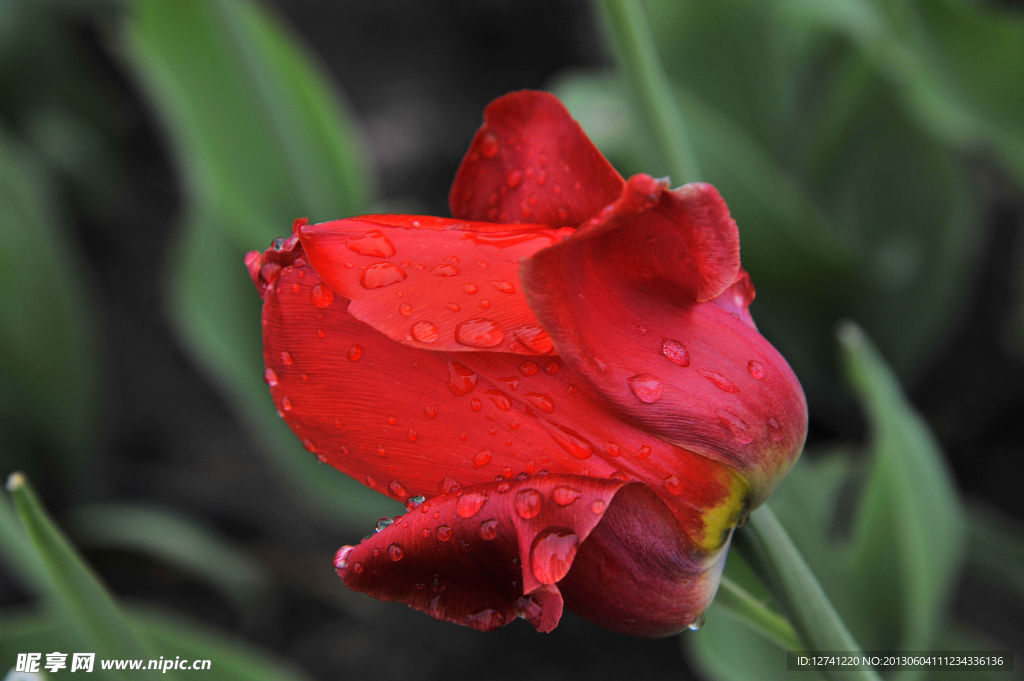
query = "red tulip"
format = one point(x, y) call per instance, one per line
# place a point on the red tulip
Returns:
point(563, 383)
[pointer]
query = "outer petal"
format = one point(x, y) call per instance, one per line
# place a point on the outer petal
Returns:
point(488, 553)
point(621, 300)
point(432, 282)
point(531, 162)
point(409, 422)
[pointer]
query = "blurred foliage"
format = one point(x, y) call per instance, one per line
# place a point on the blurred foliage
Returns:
point(260, 140)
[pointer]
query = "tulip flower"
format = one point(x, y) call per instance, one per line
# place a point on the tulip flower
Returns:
point(562, 382)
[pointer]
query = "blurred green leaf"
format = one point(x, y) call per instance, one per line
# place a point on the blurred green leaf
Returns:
point(180, 542)
point(995, 548)
point(168, 636)
point(48, 379)
point(908, 532)
point(17, 554)
point(261, 140)
point(77, 591)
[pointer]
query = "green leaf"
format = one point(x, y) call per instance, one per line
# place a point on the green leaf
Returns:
point(47, 324)
point(168, 636)
point(995, 549)
point(908, 532)
point(179, 542)
point(261, 140)
point(80, 595)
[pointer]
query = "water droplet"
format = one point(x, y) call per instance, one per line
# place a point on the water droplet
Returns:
point(503, 286)
point(412, 435)
point(405, 309)
point(718, 380)
point(774, 429)
point(598, 506)
point(270, 376)
point(542, 402)
point(489, 529)
point(528, 368)
point(697, 624)
point(479, 333)
point(470, 288)
point(552, 554)
point(613, 449)
point(500, 400)
point(463, 435)
point(673, 485)
point(414, 502)
point(528, 503)
point(482, 458)
point(286, 404)
point(475, 404)
point(308, 445)
point(470, 503)
point(647, 387)
point(287, 359)
point(395, 553)
point(431, 412)
point(444, 533)
point(396, 489)
point(445, 270)
point(355, 352)
point(756, 369)
point(675, 352)
point(511, 381)
point(535, 338)
point(373, 244)
point(341, 557)
point(565, 495)
point(382, 274)
point(392, 420)
point(514, 178)
point(425, 332)
point(321, 295)
point(572, 442)
point(383, 524)
point(736, 425)
point(644, 452)
point(320, 333)
point(551, 368)
point(489, 144)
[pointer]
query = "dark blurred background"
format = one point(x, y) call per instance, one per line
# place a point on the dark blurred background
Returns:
point(873, 156)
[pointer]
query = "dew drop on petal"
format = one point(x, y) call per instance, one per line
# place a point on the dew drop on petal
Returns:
point(736, 425)
point(482, 458)
point(644, 452)
point(489, 529)
point(612, 448)
point(286, 358)
point(479, 333)
point(514, 178)
point(542, 402)
point(355, 352)
point(425, 332)
point(444, 270)
point(470, 503)
point(270, 376)
point(470, 288)
point(383, 524)
point(673, 485)
point(405, 309)
point(373, 244)
point(528, 368)
point(444, 533)
point(719, 381)
point(552, 554)
point(395, 553)
point(697, 624)
point(598, 506)
point(565, 495)
point(286, 404)
point(756, 369)
point(396, 489)
point(535, 338)
point(321, 295)
point(675, 352)
point(489, 144)
point(647, 387)
point(381, 274)
point(528, 503)
point(503, 286)
point(774, 429)
point(572, 442)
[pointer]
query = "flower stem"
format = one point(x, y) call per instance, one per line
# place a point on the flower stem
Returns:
point(765, 543)
point(630, 34)
point(750, 610)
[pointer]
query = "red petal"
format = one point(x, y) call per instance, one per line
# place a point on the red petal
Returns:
point(621, 301)
point(432, 282)
point(531, 162)
point(408, 422)
point(636, 574)
point(485, 554)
